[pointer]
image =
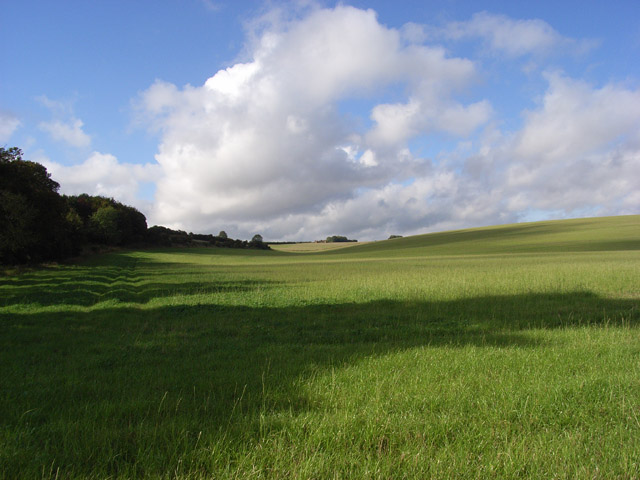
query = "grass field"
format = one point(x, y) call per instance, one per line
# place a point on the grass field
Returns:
point(311, 247)
point(504, 352)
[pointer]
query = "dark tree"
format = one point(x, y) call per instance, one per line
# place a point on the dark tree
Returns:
point(223, 234)
point(338, 238)
point(132, 224)
point(33, 224)
point(257, 238)
point(107, 221)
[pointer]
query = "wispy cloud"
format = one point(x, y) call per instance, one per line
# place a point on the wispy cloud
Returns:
point(9, 123)
point(64, 127)
point(514, 37)
point(70, 133)
point(211, 5)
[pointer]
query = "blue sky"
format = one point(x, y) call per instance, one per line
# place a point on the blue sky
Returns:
point(300, 120)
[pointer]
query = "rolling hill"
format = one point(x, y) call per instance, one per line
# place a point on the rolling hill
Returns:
point(576, 235)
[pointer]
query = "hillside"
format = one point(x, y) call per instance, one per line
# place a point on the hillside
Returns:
point(576, 235)
point(312, 247)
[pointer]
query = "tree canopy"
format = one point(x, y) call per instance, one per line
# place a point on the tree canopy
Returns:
point(32, 213)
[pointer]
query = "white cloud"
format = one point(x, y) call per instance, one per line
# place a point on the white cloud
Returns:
point(396, 123)
point(368, 158)
point(68, 132)
point(515, 38)
point(575, 119)
point(64, 127)
point(8, 125)
point(580, 149)
point(264, 138)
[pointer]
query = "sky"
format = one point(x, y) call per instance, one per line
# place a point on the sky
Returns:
point(303, 119)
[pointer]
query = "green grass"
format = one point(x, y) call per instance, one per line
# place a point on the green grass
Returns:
point(311, 247)
point(506, 352)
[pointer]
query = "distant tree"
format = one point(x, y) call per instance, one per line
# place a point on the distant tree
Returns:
point(394, 236)
point(223, 234)
point(338, 238)
point(257, 238)
point(116, 224)
point(158, 235)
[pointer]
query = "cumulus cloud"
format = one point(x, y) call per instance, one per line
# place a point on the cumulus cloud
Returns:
point(8, 124)
point(579, 149)
point(264, 145)
point(265, 138)
point(578, 153)
point(396, 123)
point(576, 119)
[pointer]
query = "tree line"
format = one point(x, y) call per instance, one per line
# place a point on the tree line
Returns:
point(338, 239)
point(38, 224)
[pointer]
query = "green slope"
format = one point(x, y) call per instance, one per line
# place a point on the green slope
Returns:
point(577, 235)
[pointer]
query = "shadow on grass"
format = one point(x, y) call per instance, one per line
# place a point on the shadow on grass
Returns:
point(90, 291)
point(124, 386)
point(88, 285)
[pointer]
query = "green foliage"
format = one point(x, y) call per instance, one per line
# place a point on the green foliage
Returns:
point(222, 234)
point(103, 226)
point(338, 238)
point(106, 221)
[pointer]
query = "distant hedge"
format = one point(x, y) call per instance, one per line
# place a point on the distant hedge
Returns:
point(163, 236)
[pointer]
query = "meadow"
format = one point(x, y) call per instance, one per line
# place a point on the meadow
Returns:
point(501, 352)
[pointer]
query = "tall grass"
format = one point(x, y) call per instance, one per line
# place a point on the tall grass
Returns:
point(413, 358)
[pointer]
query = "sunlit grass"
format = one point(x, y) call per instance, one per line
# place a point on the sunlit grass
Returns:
point(439, 360)
point(312, 247)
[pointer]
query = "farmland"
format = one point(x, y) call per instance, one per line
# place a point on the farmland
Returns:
point(508, 351)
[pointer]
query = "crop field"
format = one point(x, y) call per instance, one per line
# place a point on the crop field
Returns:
point(502, 352)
